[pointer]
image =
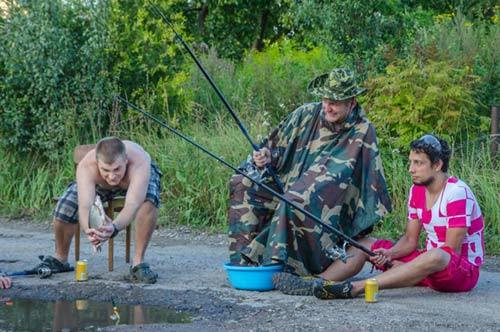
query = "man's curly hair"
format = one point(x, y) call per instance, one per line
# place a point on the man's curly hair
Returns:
point(435, 148)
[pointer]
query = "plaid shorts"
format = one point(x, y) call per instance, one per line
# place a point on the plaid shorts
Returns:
point(67, 207)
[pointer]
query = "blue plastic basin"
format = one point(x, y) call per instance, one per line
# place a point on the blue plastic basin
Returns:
point(254, 278)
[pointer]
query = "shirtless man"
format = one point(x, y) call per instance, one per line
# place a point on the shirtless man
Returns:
point(112, 168)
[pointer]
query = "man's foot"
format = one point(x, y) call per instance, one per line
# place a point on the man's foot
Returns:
point(329, 290)
point(292, 284)
point(52, 264)
point(142, 273)
point(247, 261)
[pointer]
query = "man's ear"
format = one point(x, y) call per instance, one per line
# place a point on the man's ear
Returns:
point(354, 102)
point(438, 165)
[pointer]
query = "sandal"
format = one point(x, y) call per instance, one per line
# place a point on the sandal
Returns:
point(329, 290)
point(292, 284)
point(52, 264)
point(142, 273)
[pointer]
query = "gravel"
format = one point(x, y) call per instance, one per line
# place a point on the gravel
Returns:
point(192, 280)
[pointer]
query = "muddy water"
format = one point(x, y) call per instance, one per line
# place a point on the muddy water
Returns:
point(80, 315)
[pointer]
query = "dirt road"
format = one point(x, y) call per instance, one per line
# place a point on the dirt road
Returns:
point(192, 280)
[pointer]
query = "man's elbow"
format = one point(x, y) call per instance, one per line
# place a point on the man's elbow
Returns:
point(411, 243)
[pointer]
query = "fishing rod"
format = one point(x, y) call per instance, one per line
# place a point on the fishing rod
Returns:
point(269, 169)
point(43, 272)
point(334, 253)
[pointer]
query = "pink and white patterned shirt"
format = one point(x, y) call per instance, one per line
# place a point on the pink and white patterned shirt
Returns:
point(456, 206)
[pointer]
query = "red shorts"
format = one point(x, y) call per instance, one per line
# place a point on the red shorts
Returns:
point(459, 276)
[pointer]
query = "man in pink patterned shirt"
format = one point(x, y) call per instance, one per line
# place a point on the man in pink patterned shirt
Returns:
point(446, 209)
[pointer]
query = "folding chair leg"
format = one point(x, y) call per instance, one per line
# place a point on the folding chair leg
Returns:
point(77, 242)
point(109, 213)
point(127, 244)
point(110, 254)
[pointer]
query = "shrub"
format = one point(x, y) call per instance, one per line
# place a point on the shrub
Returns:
point(54, 82)
point(371, 32)
point(146, 60)
point(467, 43)
point(411, 99)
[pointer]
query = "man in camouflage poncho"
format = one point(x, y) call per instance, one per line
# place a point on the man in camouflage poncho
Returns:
point(327, 157)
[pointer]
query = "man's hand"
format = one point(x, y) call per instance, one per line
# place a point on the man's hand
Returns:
point(382, 257)
point(262, 157)
point(105, 231)
point(100, 235)
point(5, 282)
point(92, 237)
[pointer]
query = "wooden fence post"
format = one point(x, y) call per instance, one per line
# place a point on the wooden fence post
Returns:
point(494, 134)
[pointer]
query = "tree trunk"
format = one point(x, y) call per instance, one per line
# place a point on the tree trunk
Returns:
point(202, 17)
point(263, 20)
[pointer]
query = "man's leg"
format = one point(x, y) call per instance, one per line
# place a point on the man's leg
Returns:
point(64, 224)
point(63, 232)
point(409, 274)
point(339, 271)
point(145, 225)
point(291, 284)
point(250, 210)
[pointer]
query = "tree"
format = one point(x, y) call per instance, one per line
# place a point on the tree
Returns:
point(55, 83)
point(235, 26)
point(359, 28)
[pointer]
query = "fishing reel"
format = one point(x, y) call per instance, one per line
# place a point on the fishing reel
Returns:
point(335, 252)
point(44, 272)
point(251, 170)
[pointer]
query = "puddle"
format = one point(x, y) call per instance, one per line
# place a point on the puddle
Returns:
point(80, 315)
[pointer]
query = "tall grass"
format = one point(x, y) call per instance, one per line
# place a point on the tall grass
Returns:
point(195, 187)
point(27, 185)
point(473, 163)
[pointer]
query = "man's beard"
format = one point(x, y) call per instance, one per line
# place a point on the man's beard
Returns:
point(425, 183)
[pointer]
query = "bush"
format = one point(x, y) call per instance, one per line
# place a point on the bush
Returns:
point(146, 60)
point(411, 99)
point(370, 32)
point(467, 43)
point(54, 81)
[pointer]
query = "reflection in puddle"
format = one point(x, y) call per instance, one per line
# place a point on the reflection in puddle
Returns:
point(80, 315)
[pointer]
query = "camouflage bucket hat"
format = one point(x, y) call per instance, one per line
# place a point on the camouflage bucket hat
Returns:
point(339, 84)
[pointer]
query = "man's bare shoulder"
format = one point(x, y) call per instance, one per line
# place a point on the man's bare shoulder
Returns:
point(136, 153)
point(88, 164)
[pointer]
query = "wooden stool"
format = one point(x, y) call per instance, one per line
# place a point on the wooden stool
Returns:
point(112, 206)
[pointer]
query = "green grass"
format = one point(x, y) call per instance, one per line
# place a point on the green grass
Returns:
point(195, 187)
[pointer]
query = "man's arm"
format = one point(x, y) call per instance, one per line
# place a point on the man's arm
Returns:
point(408, 242)
point(405, 245)
point(136, 193)
point(85, 179)
point(455, 238)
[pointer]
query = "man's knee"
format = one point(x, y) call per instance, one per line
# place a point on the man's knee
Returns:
point(148, 211)
point(239, 183)
point(436, 259)
point(366, 241)
point(63, 223)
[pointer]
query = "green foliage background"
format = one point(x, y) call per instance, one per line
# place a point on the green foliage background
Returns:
point(430, 66)
point(55, 82)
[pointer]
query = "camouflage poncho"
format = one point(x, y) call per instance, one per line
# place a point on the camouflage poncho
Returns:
point(336, 175)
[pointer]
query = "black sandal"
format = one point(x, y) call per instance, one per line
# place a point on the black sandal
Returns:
point(142, 273)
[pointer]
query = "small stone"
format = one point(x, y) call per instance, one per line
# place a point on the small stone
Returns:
point(299, 305)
